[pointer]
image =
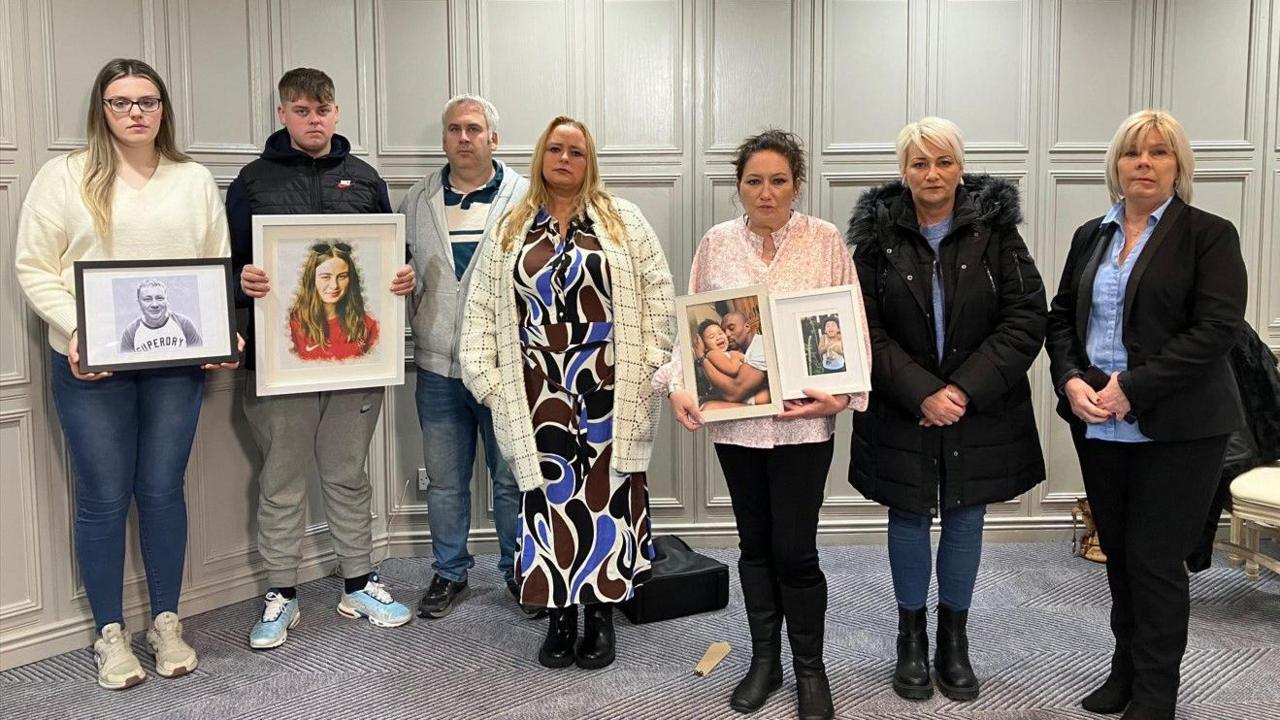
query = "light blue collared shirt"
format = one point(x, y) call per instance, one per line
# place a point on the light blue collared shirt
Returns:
point(1104, 341)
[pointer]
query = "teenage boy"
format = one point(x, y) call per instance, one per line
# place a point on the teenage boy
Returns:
point(307, 168)
point(447, 217)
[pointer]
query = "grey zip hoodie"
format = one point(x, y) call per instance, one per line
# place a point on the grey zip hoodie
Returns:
point(439, 299)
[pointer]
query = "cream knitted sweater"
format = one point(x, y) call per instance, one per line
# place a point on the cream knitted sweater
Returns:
point(177, 214)
point(643, 326)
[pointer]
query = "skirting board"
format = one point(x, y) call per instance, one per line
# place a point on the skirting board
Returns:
point(39, 641)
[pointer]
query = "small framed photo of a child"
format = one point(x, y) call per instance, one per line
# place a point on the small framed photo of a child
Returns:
point(727, 353)
point(330, 321)
point(819, 341)
point(137, 314)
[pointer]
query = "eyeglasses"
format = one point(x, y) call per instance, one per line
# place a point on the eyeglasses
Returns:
point(123, 105)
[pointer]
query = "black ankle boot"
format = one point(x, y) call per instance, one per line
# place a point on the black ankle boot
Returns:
point(1137, 711)
point(951, 659)
point(764, 617)
point(1111, 696)
point(1114, 694)
point(596, 648)
point(806, 611)
point(911, 675)
point(562, 631)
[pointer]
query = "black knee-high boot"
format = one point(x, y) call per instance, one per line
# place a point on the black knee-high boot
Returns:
point(911, 674)
point(951, 659)
point(806, 613)
point(1113, 695)
point(764, 617)
point(562, 632)
point(597, 647)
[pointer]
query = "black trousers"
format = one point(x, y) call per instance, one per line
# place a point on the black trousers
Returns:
point(1149, 501)
point(776, 496)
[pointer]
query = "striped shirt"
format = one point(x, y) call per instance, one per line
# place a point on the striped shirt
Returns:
point(466, 216)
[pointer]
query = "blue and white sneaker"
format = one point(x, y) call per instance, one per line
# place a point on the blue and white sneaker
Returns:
point(279, 616)
point(375, 603)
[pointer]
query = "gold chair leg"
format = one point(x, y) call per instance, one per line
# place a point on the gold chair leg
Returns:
point(1237, 538)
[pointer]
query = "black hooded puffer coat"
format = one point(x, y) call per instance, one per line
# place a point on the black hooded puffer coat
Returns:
point(995, 318)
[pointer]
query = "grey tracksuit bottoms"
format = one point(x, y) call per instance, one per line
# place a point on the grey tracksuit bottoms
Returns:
point(322, 435)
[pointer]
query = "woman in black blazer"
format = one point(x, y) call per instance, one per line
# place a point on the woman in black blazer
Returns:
point(1139, 334)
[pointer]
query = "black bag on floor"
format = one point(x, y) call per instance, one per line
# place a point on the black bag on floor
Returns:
point(683, 583)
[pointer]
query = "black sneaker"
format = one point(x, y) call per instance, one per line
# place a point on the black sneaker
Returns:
point(441, 597)
point(513, 587)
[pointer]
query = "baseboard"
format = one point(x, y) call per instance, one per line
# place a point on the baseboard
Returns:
point(38, 642)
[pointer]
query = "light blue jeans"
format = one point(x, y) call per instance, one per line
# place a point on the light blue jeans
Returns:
point(450, 419)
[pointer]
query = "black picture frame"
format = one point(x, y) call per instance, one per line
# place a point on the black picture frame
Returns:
point(100, 346)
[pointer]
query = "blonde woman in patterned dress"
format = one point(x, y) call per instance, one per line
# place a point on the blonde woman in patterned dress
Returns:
point(775, 467)
point(569, 315)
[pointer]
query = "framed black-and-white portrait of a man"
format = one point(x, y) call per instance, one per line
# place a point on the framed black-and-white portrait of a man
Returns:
point(135, 314)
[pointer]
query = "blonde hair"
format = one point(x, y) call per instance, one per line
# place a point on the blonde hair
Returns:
point(591, 195)
point(934, 131)
point(99, 179)
point(1132, 131)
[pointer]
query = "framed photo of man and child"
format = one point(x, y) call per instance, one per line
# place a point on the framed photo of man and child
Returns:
point(745, 350)
point(329, 322)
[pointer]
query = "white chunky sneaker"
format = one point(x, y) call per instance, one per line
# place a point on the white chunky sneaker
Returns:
point(118, 667)
point(174, 657)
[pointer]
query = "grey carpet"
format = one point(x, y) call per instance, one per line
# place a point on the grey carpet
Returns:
point(1039, 636)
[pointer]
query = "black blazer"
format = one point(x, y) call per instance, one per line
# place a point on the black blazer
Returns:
point(1183, 304)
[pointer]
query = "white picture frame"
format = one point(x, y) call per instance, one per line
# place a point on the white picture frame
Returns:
point(818, 341)
point(692, 311)
point(305, 342)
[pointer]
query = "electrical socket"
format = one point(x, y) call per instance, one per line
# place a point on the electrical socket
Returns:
point(423, 480)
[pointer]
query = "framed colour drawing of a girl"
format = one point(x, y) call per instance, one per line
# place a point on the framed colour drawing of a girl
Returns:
point(330, 322)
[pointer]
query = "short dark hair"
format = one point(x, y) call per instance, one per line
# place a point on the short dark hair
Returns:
point(786, 144)
point(306, 83)
point(702, 326)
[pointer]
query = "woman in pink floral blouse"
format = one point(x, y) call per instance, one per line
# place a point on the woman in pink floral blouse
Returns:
point(776, 467)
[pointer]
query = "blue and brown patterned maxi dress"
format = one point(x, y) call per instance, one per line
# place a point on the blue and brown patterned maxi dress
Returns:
point(584, 535)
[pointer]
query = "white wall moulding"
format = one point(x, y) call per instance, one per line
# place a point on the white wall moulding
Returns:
point(529, 88)
point(670, 88)
point(1208, 50)
point(981, 71)
point(1092, 61)
point(866, 75)
point(78, 39)
point(15, 365)
point(8, 61)
point(335, 36)
point(750, 68)
point(408, 36)
point(21, 596)
point(645, 43)
point(219, 75)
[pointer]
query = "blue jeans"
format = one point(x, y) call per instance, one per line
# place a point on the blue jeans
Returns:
point(129, 437)
point(959, 553)
point(450, 418)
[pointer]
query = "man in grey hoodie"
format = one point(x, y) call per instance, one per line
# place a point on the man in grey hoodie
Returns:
point(447, 216)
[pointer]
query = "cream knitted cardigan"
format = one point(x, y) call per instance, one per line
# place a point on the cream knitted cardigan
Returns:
point(643, 326)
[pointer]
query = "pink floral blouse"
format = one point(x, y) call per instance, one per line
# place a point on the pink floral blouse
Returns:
point(809, 253)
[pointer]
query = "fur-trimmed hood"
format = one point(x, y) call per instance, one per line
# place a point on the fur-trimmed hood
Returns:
point(980, 198)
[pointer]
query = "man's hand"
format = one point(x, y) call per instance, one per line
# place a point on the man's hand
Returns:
point(254, 282)
point(404, 281)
